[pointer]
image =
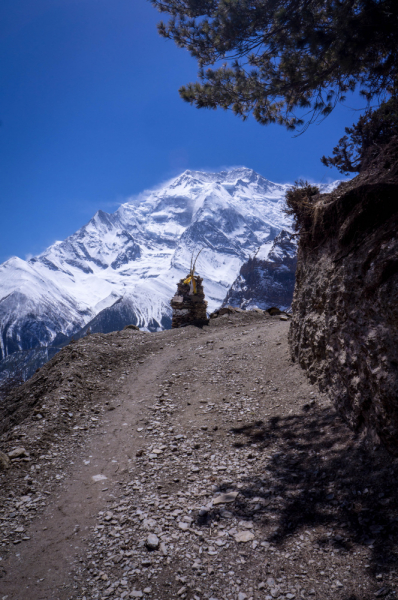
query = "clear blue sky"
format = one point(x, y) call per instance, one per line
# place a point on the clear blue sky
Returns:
point(91, 115)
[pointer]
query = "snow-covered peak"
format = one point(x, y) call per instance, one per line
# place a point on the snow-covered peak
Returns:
point(139, 252)
point(239, 176)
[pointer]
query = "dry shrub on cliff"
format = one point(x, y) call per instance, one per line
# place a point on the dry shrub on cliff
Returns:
point(300, 204)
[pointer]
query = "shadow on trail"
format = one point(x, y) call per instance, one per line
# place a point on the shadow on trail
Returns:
point(317, 473)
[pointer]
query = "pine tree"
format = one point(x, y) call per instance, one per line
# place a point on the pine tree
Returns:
point(285, 61)
point(365, 139)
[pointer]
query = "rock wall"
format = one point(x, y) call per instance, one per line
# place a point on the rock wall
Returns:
point(344, 330)
point(269, 282)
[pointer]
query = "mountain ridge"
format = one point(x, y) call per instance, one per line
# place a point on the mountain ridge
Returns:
point(138, 253)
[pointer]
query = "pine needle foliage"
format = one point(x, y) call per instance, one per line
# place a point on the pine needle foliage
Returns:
point(364, 140)
point(285, 61)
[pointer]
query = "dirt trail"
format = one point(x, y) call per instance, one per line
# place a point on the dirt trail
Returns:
point(215, 445)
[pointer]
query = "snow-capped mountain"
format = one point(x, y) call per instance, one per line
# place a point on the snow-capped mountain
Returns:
point(126, 265)
point(268, 278)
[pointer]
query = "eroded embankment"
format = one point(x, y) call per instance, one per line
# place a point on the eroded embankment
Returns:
point(345, 310)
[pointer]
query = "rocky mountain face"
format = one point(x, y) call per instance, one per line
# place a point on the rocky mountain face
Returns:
point(268, 278)
point(344, 330)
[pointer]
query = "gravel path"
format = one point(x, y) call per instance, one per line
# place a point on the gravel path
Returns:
point(193, 464)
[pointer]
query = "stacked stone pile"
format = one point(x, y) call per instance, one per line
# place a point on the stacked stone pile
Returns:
point(189, 304)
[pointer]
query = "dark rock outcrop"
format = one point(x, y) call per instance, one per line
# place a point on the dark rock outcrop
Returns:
point(25, 363)
point(270, 282)
point(344, 330)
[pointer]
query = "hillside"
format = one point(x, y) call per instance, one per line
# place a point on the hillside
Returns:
point(152, 465)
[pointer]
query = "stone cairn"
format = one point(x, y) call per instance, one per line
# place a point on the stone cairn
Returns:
point(189, 304)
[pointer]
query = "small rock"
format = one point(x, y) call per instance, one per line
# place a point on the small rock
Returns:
point(244, 536)
point(163, 549)
point(98, 477)
point(136, 594)
point(187, 519)
point(245, 524)
point(17, 453)
point(152, 542)
point(242, 596)
point(146, 563)
point(4, 461)
point(382, 592)
point(183, 526)
point(225, 498)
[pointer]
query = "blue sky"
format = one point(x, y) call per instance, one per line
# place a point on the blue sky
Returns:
point(90, 115)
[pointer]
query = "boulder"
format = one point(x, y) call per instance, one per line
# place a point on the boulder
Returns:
point(17, 453)
point(152, 542)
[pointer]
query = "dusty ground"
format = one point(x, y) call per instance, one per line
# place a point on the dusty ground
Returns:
point(213, 442)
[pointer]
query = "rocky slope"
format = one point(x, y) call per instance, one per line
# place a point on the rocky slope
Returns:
point(268, 278)
point(345, 311)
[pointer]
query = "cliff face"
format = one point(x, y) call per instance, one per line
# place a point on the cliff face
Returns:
point(268, 282)
point(344, 330)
